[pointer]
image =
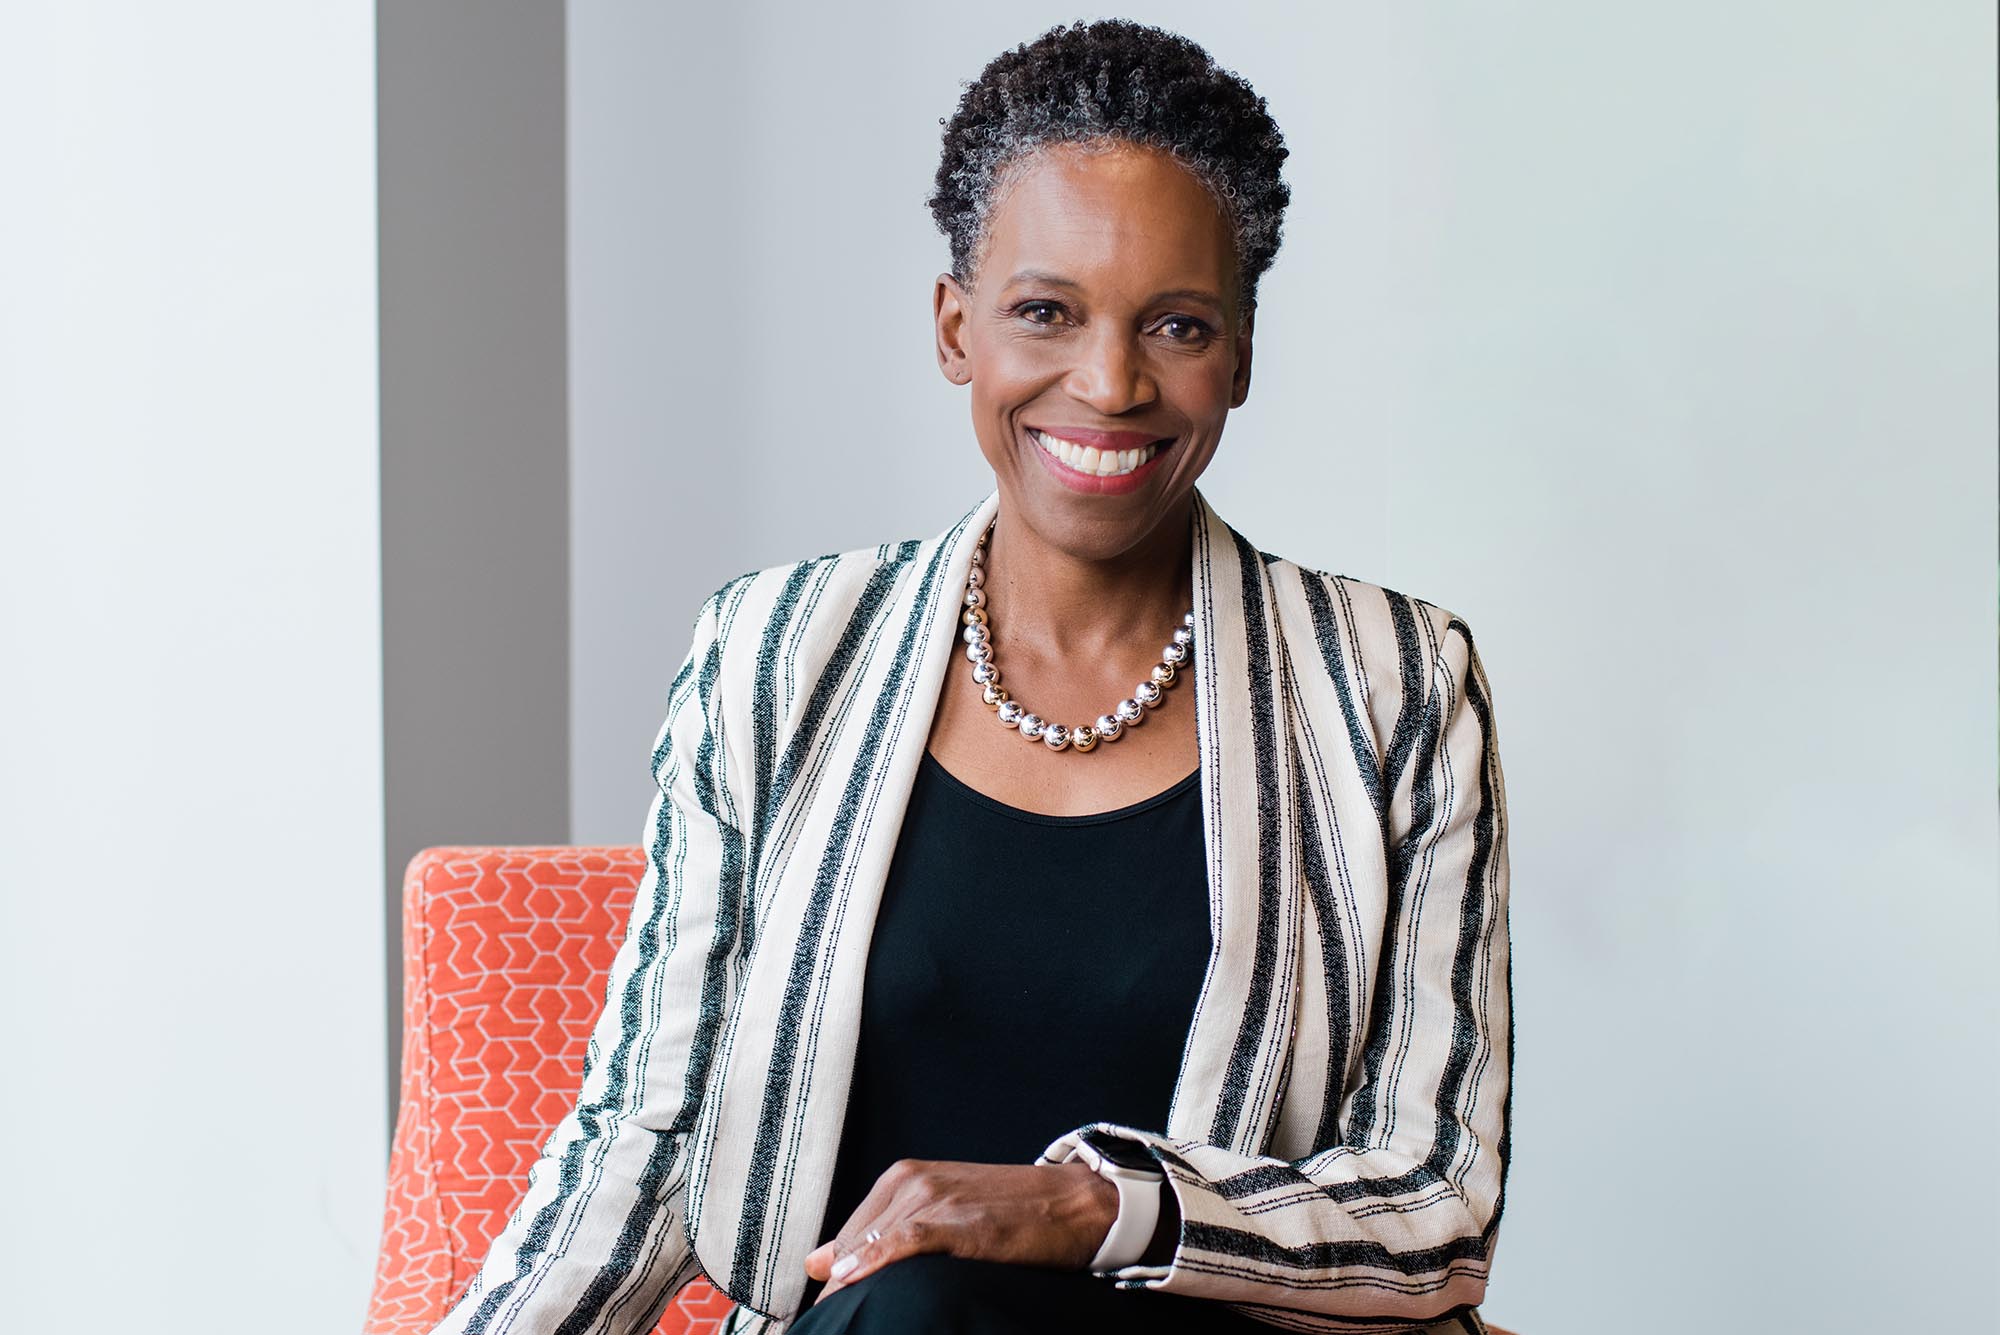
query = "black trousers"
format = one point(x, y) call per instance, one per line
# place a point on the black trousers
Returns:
point(937, 1294)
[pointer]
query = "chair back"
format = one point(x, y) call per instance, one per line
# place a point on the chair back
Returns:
point(505, 953)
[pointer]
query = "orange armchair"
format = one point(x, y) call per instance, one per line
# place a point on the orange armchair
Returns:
point(505, 952)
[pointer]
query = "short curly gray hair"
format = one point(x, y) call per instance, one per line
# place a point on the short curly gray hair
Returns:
point(1121, 81)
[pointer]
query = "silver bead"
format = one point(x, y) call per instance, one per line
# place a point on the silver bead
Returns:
point(1031, 726)
point(1175, 654)
point(1109, 726)
point(979, 552)
point(1163, 673)
point(987, 673)
point(1084, 738)
point(1188, 620)
point(1131, 711)
point(974, 616)
point(1147, 693)
point(994, 696)
point(1055, 737)
point(975, 598)
point(1010, 713)
point(979, 651)
point(974, 632)
point(975, 577)
point(1183, 636)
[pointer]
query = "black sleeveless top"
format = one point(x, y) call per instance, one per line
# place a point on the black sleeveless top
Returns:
point(1027, 974)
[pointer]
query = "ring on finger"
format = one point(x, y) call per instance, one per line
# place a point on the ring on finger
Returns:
point(873, 1235)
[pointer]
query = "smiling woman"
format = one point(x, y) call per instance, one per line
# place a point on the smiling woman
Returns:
point(925, 1023)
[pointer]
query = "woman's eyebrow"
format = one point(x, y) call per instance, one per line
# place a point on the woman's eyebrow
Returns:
point(1189, 294)
point(1057, 280)
point(1041, 276)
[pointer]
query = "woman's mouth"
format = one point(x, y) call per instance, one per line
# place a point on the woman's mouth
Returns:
point(1089, 468)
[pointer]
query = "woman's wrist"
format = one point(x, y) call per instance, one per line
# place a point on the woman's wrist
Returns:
point(1096, 1208)
point(1144, 1223)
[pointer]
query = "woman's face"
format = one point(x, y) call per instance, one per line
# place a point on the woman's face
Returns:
point(1104, 315)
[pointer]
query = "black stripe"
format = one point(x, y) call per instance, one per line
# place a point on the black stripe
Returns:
point(1269, 1177)
point(1243, 1245)
point(764, 721)
point(799, 746)
point(1326, 630)
point(729, 905)
point(1400, 857)
point(1464, 1025)
point(1257, 1004)
point(1410, 661)
point(784, 1054)
point(1333, 960)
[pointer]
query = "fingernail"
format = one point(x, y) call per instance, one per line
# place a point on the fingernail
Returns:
point(845, 1266)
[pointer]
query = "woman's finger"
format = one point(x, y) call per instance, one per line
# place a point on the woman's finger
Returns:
point(877, 1249)
point(831, 1253)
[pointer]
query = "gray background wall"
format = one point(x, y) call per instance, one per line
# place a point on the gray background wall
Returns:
point(1658, 344)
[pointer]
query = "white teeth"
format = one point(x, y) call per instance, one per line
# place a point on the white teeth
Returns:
point(1089, 459)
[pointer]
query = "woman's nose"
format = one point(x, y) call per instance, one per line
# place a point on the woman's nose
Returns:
point(1111, 375)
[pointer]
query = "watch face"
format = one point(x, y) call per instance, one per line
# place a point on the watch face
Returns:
point(1124, 1153)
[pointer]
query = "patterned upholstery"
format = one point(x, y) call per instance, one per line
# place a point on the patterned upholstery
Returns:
point(505, 952)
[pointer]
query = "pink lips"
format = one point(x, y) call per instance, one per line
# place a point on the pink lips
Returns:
point(1091, 483)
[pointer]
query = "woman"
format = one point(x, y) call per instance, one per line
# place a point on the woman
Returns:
point(1186, 1003)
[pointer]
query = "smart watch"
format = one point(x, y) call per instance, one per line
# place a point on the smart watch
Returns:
point(1137, 1175)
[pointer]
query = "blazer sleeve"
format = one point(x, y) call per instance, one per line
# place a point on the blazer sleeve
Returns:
point(1392, 1228)
point(599, 1241)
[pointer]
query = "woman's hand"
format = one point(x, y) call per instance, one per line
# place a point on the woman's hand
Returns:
point(1052, 1215)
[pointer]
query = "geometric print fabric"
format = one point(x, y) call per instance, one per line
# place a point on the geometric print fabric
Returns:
point(505, 955)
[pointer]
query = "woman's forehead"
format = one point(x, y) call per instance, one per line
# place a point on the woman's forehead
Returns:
point(1088, 212)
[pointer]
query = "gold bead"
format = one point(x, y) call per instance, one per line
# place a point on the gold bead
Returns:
point(1163, 674)
point(1083, 738)
point(995, 696)
point(973, 614)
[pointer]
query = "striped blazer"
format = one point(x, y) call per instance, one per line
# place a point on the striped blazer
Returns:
point(1338, 1135)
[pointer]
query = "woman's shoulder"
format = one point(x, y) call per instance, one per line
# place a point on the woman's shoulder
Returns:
point(1378, 645)
point(834, 580)
point(1372, 613)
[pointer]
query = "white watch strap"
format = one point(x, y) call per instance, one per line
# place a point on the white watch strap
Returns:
point(1138, 1214)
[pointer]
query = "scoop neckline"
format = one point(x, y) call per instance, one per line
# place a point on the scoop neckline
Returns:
point(1044, 818)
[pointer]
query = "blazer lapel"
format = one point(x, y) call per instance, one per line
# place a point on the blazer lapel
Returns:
point(1240, 1043)
point(769, 1133)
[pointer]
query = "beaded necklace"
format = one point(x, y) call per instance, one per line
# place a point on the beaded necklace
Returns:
point(1127, 713)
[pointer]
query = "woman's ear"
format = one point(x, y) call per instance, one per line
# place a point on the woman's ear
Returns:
point(948, 307)
point(1239, 387)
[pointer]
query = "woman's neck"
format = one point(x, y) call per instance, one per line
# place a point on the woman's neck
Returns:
point(1053, 603)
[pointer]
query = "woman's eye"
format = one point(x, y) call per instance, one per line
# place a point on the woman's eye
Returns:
point(1183, 329)
point(1035, 311)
